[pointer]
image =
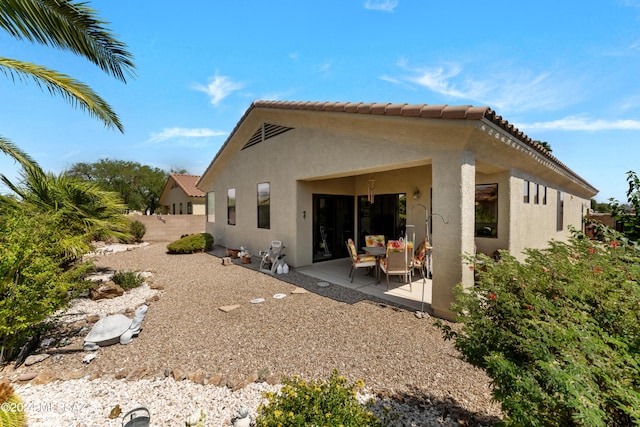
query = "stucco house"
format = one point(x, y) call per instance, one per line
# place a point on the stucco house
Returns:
point(180, 196)
point(314, 174)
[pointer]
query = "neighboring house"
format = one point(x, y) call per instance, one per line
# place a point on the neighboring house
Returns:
point(306, 174)
point(180, 196)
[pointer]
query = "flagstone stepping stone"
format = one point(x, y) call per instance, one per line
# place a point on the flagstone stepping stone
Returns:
point(257, 300)
point(279, 296)
point(322, 284)
point(299, 291)
point(228, 308)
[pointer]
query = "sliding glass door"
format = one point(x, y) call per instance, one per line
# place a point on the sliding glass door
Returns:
point(387, 215)
point(332, 226)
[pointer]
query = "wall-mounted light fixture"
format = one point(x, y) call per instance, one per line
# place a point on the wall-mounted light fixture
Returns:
point(416, 193)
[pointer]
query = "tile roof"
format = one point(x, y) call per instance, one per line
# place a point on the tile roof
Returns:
point(443, 111)
point(188, 184)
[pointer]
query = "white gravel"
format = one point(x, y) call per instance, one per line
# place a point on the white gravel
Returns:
point(403, 360)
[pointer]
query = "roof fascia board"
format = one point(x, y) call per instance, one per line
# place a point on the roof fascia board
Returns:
point(489, 127)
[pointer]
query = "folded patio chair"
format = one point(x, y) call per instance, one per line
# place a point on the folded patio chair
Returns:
point(272, 257)
point(358, 260)
point(398, 261)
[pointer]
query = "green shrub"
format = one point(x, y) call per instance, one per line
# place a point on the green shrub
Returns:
point(38, 274)
point(193, 243)
point(127, 279)
point(559, 334)
point(321, 403)
point(137, 230)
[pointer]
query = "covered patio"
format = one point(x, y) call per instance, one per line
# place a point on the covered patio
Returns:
point(337, 272)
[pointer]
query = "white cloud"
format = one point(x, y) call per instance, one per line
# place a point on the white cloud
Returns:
point(184, 136)
point(576, 123)
point(219, 87)
point(503, 88)
point(384, 5)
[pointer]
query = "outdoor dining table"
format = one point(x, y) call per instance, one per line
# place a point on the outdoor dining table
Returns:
point(378, 252)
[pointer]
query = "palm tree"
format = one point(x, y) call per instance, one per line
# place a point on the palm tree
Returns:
point(70, 26)
point(81, 208)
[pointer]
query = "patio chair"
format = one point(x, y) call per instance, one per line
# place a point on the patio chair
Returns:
point(421, 258)
point(358, 260)
point(272, 257)
point(398, 261)
point(374, 240)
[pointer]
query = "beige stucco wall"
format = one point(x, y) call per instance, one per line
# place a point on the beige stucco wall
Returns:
point(339, 153)
point(175, 196)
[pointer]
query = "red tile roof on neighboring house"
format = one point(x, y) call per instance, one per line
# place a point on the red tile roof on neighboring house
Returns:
point(467, 112)
point(188, 184)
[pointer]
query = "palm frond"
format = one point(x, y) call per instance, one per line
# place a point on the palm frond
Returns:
point(67, 25)
point(12, 150)
point(75, 92)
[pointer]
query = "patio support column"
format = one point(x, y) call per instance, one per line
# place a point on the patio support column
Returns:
point(454, 199)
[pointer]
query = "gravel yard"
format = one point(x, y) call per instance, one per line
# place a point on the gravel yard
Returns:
point(309, 333)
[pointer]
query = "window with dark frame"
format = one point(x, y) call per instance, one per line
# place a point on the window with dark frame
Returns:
point(536, 194)
point(231, 206)
point(560, 208)
point(486, 218)
point(526, 191)
point(211, 206)
point(264, 205)
point(544, 195)
point(189, 208)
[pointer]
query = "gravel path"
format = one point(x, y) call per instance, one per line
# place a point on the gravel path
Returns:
point(234, 354)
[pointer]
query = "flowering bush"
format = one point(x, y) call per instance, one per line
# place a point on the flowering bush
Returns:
point(321, 403)
point(559, 333)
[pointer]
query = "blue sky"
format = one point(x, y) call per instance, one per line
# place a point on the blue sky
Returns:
point(562, 72)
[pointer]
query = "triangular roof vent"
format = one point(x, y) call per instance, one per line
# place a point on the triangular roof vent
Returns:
point(264, 132)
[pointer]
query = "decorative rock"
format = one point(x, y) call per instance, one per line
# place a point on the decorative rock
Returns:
point(156, 286)
point(179, 374)
point(215, 380)
point(121, 374)
point(137, 373)
point(36, 358)
point(44, 377)
point(89, 357)
point(197, 377)
point(115, 412)
point(27, 376)
point(92, 318)
point(226, 261)
point(106, 290)
point(152, 299)
point(94, 376)
point(299, 291)
point(47, 342)
point(243, 419)
point(57, 357)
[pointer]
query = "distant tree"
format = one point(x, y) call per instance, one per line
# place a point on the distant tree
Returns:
point(599, 207)
point(628, 216)
point(545, 145)
point(140, 186)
